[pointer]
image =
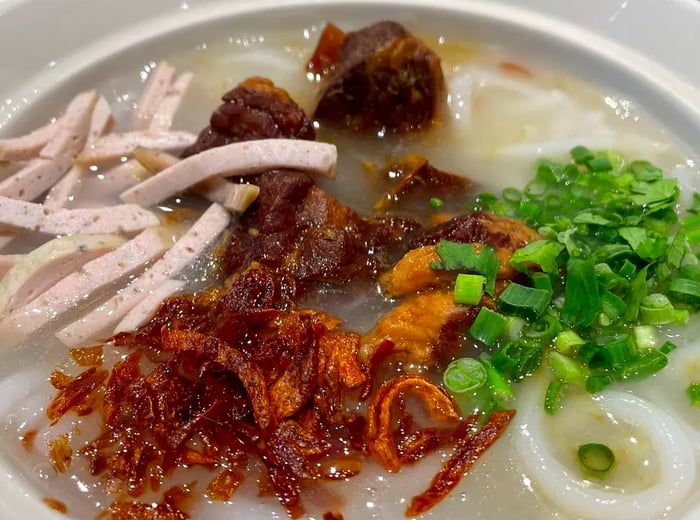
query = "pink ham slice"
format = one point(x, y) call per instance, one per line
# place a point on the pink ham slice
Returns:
point(124, 218)
point(28, 146)
point(147, 308)
point(115, 146)
point(46, 265)
point(244, 158)
point(66, 189)
point(163, 118)
point(200, 236)
point(154, 93)
point(234, 197)
point(57, 156)
point(84, 284)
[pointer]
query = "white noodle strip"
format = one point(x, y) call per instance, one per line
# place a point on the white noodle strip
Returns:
point(244, 158)
point(163, 118)
point(147, 308)
point(80, 286)
point(200, 236)
point(115, 146)
point(17, 214)
point(155, 91)
point(673, 450)
point(28, 146)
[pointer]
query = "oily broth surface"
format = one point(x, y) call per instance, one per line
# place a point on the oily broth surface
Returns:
point(508, 110)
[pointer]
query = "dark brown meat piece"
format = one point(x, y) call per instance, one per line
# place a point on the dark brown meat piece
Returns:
point(298, 229)
point(385, 77)
point(480, 227)
point(415, 178)
point(255, 109)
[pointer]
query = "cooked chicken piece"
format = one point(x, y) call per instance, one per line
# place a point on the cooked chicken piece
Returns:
point(244, 158)
point(415, 326)
point(413, 272)
point(192, 244)
point(153, 95)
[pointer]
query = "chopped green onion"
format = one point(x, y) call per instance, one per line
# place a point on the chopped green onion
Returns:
point(435, 202)
point(681, 316)
point(522, 301)
point(599, 164)
point(598, 382)
point(596, 458)
point(469, 288)
point(656, 309)
point(693, 392)
point(501, 390)
point(566, 369)
point(645, 337)
point(581, 154)
point(543, 329)
point(553, 396)
point(685, 290)
point(567, 342)
point(515, 360)
point(542, 281)
point(464, 375)
point(582, 302)
point(648, 364)
point(513, 328)
point(487, 326)
point(667, 347)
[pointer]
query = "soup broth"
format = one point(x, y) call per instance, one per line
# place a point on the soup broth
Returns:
point(503, 114)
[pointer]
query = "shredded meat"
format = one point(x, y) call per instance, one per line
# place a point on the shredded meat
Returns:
point(383, 77)
point(255, 109)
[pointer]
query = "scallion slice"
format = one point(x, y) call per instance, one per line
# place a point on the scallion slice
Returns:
point(553, 396)
point(596, 458)
point(566, 369)
point(464, 375)
point(500, 388)
point(656, 309)
point(469, 288)
point(523, 301)
point(487, 326)
point(693, 392)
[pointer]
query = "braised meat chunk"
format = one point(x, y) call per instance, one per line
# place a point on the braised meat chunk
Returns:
point(384, 77)
point(255, 109)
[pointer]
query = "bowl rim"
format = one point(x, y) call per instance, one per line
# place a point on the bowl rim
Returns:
point(601, 24)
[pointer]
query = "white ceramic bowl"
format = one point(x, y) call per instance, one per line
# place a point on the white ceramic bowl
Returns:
point(647, 49)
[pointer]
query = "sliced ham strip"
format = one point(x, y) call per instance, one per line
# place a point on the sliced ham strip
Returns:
point(72, 130)
point(46, 265)
point(17, 214)
point(68, 187)
point(234, 197)
point(57, 156)
point(84, 284)
point(201, 235)
point(163, 118)
point(154, 93)
point(244, 158)
point(147, 308)
point(7, 261)
point(27, 146)
point(115, 146)
point(33, 180)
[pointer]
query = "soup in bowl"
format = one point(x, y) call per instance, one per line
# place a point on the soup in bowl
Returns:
point(376, 262)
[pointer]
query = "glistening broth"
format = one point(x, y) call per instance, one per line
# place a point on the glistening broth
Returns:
point(500, 120)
